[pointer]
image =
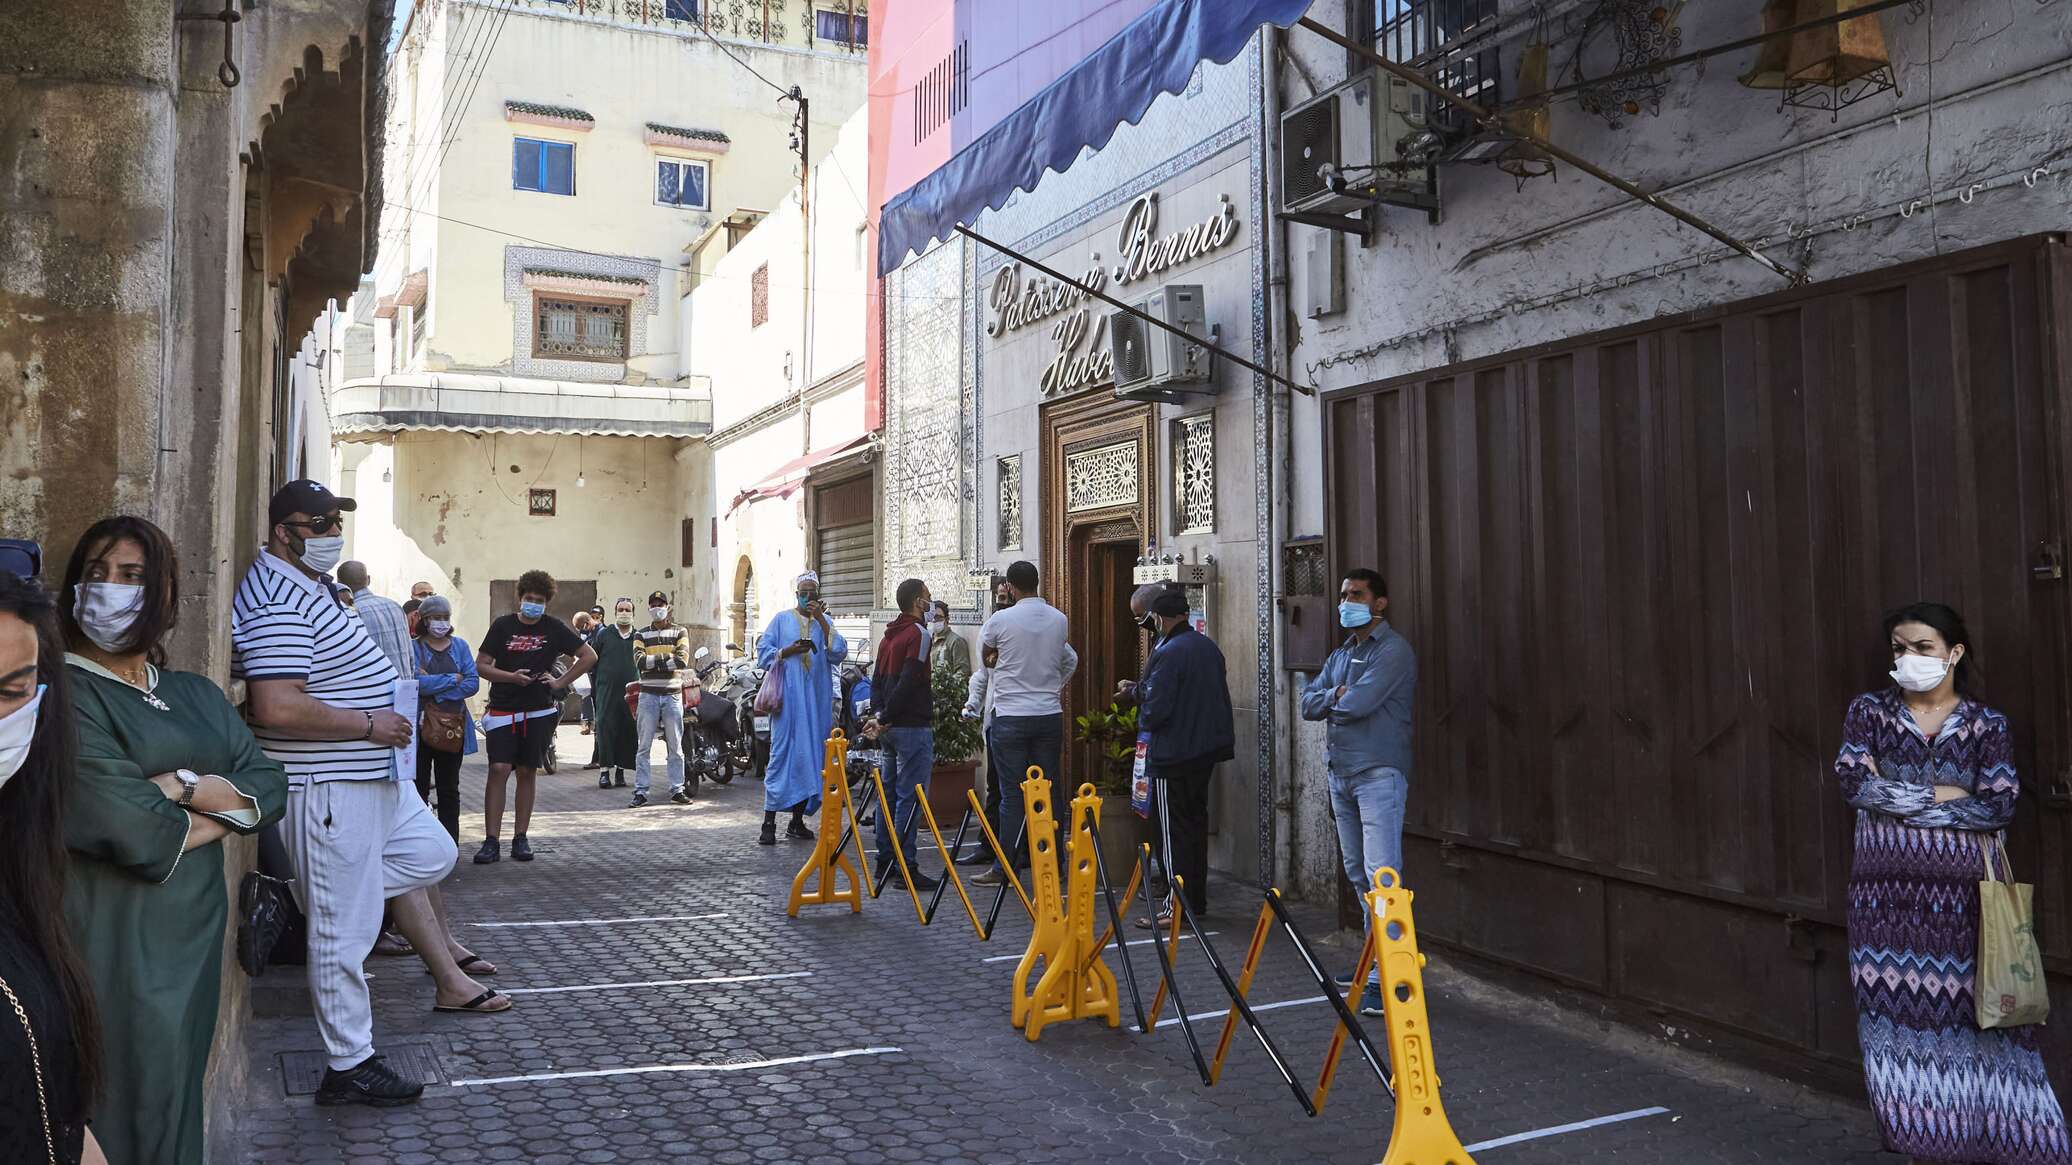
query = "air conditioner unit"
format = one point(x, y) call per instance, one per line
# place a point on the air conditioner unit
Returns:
point(1350, 146)
point(1150, 361)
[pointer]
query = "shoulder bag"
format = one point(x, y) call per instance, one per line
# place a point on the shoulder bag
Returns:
point(438, 730)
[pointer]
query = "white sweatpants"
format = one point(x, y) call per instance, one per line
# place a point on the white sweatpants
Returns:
point(354, 846)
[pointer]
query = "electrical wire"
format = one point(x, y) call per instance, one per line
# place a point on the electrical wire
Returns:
point(417, 183)
point(449, 128)
point(783, 94)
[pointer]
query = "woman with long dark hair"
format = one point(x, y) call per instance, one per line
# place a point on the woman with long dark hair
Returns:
point(167, 770)
point(1930, 770)
point(50, 1038)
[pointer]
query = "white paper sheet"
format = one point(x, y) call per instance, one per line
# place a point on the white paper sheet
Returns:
point(405, 705)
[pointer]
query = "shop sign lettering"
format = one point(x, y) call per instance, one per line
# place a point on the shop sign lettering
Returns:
point(1079, 331)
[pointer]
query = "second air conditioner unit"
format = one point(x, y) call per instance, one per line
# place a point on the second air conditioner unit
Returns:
point(1151, 362)
point(1352, 146)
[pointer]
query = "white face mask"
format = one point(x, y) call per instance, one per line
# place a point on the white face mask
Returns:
point(625, 618)
point(1919, 673)
point(107, 611)
point(658, 614)
point(441, 628)
point(321, 554)
point(17, 733)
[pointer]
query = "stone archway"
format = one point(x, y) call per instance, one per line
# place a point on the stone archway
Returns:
point(744, 613)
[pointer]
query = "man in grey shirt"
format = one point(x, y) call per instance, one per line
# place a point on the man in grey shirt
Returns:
point(383, 618)
point(1366, 693)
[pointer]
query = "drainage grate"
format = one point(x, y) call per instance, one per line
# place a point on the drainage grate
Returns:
point(302, 1072)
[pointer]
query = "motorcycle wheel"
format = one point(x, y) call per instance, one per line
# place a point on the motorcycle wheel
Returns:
point(724, 775)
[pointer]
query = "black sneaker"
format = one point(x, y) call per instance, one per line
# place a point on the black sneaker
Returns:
point(797, 831)
point(521, 849)
point(262, 913)
point(639, 799)
point(923, 882)
point(619, 778)
point(490, 852)
point(680, 797)
point(979, 856)
point(769, 835)
point(370, 1082)
point(604, 779)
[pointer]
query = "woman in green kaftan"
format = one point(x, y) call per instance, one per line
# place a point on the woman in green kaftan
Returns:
point(615, 734)
point(166, 770)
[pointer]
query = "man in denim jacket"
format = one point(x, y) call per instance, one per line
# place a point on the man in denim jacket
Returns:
point(1367, 694)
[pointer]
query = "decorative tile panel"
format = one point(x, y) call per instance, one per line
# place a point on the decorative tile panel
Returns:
point(631, 272)
point(1194, 474)
point(1011, 502)
point(928, 441)
point(1096, 479)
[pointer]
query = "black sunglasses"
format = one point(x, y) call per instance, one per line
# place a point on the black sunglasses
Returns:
point(319, 526)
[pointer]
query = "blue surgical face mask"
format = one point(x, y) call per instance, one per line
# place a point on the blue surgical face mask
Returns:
point(531, 610)
point(1352, 616)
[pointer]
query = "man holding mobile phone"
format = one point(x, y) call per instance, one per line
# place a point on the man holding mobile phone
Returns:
point(804, 668)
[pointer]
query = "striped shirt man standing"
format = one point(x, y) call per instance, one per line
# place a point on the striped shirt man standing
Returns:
point(321, 704)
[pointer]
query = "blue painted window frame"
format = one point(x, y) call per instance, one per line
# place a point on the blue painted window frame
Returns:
point(536, 174)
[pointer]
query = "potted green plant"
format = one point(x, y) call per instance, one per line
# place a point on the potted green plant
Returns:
point(1113, 734)
point(957, 745)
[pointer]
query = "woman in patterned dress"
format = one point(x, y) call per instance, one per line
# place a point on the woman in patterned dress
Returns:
point(1931, 774)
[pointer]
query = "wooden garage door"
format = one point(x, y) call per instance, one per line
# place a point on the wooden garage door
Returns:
point(1643, 573)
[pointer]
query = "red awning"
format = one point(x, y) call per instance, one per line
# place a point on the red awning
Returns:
point(788, 477)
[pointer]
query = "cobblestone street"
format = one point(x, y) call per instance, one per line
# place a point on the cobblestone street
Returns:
point(667, 1010)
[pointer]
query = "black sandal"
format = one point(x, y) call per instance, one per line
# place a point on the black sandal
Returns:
point(475, 1005)
point(473, 961)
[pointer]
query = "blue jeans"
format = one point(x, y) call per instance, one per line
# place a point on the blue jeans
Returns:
point(909, 758)
point(1018, 743)
point(1368, 808)
point(663, 711)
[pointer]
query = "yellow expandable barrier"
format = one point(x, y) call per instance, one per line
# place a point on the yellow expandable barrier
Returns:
point(827, 862)
point(1076, 982)
point(1422, 1135)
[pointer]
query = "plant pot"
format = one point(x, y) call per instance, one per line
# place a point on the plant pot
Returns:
point(947, 786)
point(1121, 832)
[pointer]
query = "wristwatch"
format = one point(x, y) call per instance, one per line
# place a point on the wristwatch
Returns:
point(189, 781)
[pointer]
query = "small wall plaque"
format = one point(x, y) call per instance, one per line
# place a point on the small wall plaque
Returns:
point(542, 503)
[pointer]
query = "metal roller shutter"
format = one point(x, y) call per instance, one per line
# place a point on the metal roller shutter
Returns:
point(848, 560)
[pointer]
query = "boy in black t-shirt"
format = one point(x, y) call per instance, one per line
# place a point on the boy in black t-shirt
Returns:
point(517, 658)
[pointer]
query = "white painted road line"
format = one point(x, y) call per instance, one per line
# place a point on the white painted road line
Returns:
point(1557, 1130)
point(1257, 1007)
point(601, 921)
point(658, 983)
point(646, 1069)
point(1141, 942)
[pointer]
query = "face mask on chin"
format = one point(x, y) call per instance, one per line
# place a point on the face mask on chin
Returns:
point(106, 612)
point(17, 734)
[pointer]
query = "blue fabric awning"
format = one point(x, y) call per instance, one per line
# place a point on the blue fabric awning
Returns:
point(1156, 53)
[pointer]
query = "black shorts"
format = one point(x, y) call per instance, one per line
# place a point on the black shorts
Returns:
point(523, 743)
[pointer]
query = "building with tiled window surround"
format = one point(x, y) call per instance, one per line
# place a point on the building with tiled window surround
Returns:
point(524, 398)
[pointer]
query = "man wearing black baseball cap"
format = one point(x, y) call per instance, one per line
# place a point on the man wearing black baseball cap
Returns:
point(358, 838)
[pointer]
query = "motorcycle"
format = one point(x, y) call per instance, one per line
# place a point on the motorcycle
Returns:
point(709, 727)
point(750, 745)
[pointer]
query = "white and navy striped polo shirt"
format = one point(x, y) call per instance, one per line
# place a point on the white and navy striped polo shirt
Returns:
point(286, 625)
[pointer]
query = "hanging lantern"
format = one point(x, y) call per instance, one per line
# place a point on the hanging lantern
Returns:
point(1770, 70)
point(1535, 118)
point(1830, 67)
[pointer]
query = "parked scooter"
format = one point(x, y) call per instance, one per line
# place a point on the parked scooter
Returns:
point(751, 743)
point(709, 726)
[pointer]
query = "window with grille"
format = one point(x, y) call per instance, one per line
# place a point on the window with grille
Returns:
point(546, 167)
point(580, 329)
point(1446, 39)
point(680, 9)
point(759, 297)
point(841, 27)
point(684, 183)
